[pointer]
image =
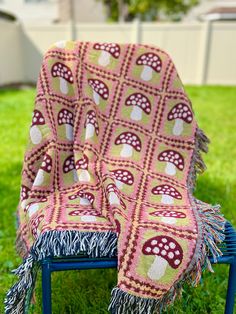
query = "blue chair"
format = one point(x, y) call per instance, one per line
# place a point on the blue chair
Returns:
point(49, 265)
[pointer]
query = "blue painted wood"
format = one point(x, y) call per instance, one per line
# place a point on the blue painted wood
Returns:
point(81, 262)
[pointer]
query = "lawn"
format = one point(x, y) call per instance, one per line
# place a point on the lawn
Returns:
point(88, 292)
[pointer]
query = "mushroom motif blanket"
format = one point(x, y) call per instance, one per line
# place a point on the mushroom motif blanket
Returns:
point(109, 170)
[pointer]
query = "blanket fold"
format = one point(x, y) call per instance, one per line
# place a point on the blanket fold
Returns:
point(110, 169)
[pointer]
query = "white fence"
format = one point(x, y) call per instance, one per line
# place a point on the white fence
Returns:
point(204, 53)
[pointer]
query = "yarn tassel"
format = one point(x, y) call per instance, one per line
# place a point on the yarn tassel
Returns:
point(54, 244)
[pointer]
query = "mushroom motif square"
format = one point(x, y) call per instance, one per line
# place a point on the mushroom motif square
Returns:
point(177, 118)
point(171, 162)
point(160, 257)
point(92, 129)
point(64, 120)
point(109, 57)
point(61, 77)
point(148, 67)
point(40, 130)
point(126, 179)
point(125, 144)
point(138, 107)
point(43, 168)
point(179, 217)
point(102, 92)
point(164, 192)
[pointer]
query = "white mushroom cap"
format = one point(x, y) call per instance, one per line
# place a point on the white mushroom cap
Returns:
point(99, 87)
point(168, 213)
point(69, 164)
point(165, 247)
point(180, 111)
point(173, 157)
point(91, 118)
point(61, 70)
point(112, 48)
point(150, 59)
point(82, 163)
point(139, 100)
point(166, 189)
point(38, 118)
point(124, 176)
point(129, 138)
point(47, 163)
point(65, 117)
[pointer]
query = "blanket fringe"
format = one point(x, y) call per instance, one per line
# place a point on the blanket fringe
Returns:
point(54, 244)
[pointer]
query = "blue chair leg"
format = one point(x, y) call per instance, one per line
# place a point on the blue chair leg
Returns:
point(229, 307)
point(46, 285)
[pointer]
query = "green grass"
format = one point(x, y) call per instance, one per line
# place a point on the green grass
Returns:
point(88, 292)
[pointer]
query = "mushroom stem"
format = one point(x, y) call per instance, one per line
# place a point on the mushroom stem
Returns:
point(170, 169)
point(75, 175)
point(127, 150)
point(63, 85)
point(169, 220)
point(158, 268)
point(104, 58)
point(96, 97)
point(166, 199)
point(33, 209)
point(136, 113)
point(90, 130)
point(119, 184)
point(146, 74)
point(84, 175)
point(35, 134)
point(84, 201)
point(178, 127)
point(88, 218)
point(69, 132)
point(113, 199)
point(39, 178)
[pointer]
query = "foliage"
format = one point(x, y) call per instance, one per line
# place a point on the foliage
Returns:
point(89, 291)
point(147, 10)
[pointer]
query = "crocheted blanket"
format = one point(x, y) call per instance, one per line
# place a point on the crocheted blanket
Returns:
point(109, 170)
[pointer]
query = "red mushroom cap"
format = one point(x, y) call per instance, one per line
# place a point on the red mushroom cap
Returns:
point(91, 118)
point(112, 188)
point(87, 195)
point(139, 100)
point(124, 176)
point(84, 213)
point(173, 157)
point(47, 163)
point(166, 247)
point(166, 189)
point(129, 138)
point(38, 118)
point(112, 48)
point(24, 194)
point(82, 163)
point(150, 59)
point(69, 164)
point(99, 87)
point(168, 213)
point(61, 70)
point(65, 117)
point(181, 111)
